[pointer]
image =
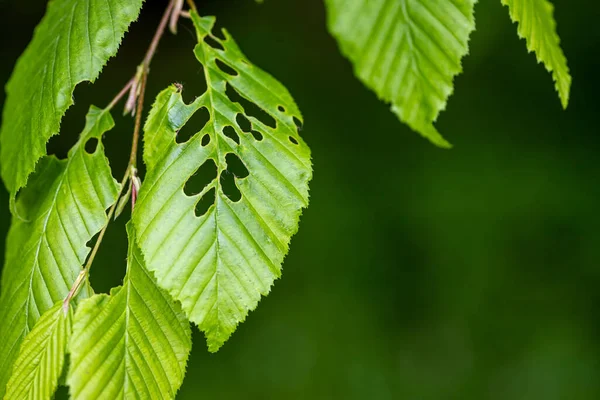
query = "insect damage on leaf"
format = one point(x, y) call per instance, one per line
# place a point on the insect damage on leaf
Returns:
point(64, 207)
point(218, 248)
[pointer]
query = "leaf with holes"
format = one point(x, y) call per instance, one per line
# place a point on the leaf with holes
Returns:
point(133, 344)
point(537, 26)
point(64, 207)
point(256, 170)
point(407, 51)
point(41, 357)
point(70, 45)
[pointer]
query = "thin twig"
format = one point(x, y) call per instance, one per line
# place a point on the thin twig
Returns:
point(122, 93)
point(160, 30)
point(138, 121)
point(158, 34)
point(145, 71)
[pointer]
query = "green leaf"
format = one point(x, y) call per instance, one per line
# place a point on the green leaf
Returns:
point(64, 207)
point(537, 26)
point(218, 264)
point(42, 356)
point(407, 51)
point(70, 45)
point(133, 344)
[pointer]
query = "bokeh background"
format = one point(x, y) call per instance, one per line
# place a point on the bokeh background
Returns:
point(417, 273)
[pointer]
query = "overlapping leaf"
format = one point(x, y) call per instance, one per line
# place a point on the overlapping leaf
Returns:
point(218, 264)
point(407, 51)
point(64, 207)
point(41, 357)
point(133, 344)
point(537, 26)
point(70, 45)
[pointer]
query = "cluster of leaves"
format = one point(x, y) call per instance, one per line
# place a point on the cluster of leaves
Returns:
point(205, 255)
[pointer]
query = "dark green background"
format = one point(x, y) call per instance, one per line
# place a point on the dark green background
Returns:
point(417, 273)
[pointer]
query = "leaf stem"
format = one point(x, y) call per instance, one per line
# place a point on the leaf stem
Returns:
point(131, 167)
point(120, 95)
point(160, 30)
point(192, 5)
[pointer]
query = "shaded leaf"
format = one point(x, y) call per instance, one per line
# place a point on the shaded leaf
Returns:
point(407, 51)
point(70, 45)
point(133, 344)
point(537, 26)
point(219, 263)
point(64, 207)
point(41, 357)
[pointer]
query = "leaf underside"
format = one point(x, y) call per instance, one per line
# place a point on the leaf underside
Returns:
point(218, 264)
point(407, 51)
point(64, 207)
point(41, 357)
point(537, 26)
point(133, 344)
point(70, 45)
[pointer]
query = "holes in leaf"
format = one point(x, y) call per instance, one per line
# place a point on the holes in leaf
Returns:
point(207, 200)
point(194, 125)
point(226, 68)
point(231, 134)
point(281, 108)
point(205, 140)
point(236, 166)
point(257, 136)
point(243, 122)
point(91, 145)
point(202, 177)
point(250, 108)
point(229, 187)
point(218, 32)
point(293, 140)
point(235, 169)
point(214, 43)
point(298, 123)
point(194, 84)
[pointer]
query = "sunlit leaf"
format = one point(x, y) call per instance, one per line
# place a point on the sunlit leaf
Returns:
point(537, 26)
point(70, 45)
point(41, 357)
point(64, 207)
point(219, 249)
point(133, 344)
point(407, 51)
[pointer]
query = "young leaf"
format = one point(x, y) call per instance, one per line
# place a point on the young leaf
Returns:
point(407, 51)
point(70, 45)
point(133, 344)
point(64, 206)
point(42, 356)
point(537, 26)
point(220, 261)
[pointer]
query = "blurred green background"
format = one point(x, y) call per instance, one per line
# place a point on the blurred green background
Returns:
point(417, 273)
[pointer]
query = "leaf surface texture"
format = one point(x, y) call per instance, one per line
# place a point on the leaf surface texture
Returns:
point(133, 344)
point(407, 51)
point(63, 207)
point(219, 262)
point(42, 357)
point(70, 45)
point(537, 26)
